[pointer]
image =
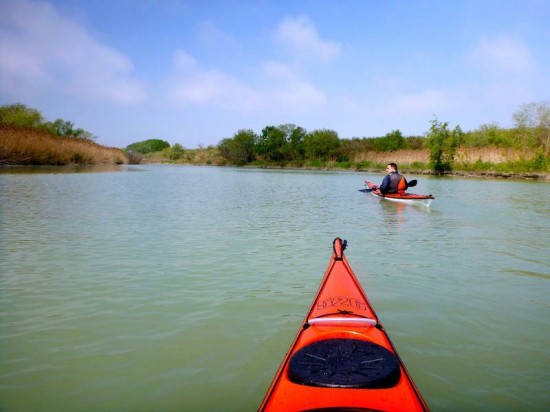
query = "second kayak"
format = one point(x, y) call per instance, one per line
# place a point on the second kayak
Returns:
point(342, 358)
point(409, 198)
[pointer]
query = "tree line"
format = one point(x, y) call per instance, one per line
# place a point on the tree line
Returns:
point(174, 152)
point(20, 116)
point(289, 143)
point(292, 144)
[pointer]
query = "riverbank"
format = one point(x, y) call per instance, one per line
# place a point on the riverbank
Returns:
point(495, 163)
point(32, 147)
point(26, 147)
point(405, 170)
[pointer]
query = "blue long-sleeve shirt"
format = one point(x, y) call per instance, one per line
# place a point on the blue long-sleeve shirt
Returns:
point(389, 183)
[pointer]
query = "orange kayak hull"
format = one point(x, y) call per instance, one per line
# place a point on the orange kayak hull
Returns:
point(342, 358)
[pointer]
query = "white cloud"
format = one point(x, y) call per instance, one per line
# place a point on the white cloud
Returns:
point(47, 52)
point(285, 88)
point(213, 88)
point(276, 70)
point(278, 88)
point(299, 35)
point(297, 95)
point(503, 54)
point(190, 84)
point(210, 35)
point(417, 103)
point(184, 62)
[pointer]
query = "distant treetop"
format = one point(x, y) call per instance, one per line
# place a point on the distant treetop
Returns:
point(148, 146)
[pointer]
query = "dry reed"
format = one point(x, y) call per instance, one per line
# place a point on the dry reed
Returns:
point(35, 147)
point(492, 155)
point(398, 156)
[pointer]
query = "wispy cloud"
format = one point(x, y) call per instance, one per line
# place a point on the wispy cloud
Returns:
point(276, 86)
point(279, 88)
point(503, 54)
point(422, 102)
point(299, 36)
point(192, 84)
point(42, 47)
point(210, 35)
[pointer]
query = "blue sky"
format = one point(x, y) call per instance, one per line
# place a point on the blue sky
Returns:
point(194, 72)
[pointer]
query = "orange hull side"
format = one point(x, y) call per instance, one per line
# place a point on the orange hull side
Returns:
point(341, 310)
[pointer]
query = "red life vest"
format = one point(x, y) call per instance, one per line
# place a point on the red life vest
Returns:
point(398, 183)
point(402, 185)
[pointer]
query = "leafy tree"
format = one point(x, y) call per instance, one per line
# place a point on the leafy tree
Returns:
point(533, 115)
point(64, 128)
point(284, 142)
point(295, 135)
point(224, 147)
point(84, 135)
point(271, 143)
point(390, 142)
point(533, 122)
point(489, 134)
point(241, 148)
point(322, 145)
point(262, 144)
point(176, 152)
point(148, 146)
point(414, 142)
point(20, 115)
point(442, 143)
point(60, 127)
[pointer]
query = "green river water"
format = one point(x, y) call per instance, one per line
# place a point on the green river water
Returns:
point(178, 288)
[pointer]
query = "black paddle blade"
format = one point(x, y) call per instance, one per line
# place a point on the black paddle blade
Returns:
point(366, 190)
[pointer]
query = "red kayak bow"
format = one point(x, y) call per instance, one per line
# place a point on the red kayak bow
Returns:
point(342, 358)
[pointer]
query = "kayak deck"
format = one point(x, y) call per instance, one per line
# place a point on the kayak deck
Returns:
point(342, 357)
point(408, 198)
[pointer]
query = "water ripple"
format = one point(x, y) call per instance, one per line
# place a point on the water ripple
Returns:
point(142, 291)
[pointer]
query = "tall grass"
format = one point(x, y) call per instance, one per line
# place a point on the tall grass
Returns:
point(401, 157)
point(469, 160)
point(202, 156)
point(20, 146)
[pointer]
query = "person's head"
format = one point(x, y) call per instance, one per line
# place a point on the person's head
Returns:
point(392, 167)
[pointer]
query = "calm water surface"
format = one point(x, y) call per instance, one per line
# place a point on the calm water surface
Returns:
point(180, 288)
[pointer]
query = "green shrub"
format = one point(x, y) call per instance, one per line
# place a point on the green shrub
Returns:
point(148, 146)
point(176, 152)
point(442, 143)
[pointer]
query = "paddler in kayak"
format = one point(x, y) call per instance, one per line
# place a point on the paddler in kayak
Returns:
point(393, 182)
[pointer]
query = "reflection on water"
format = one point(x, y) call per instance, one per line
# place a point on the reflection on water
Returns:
point(143, 291)
point(96, 168)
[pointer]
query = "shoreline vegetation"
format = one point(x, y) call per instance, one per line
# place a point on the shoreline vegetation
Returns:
point(489, 162)
point(27, 140)
point(33, 147)
point(30, 148)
